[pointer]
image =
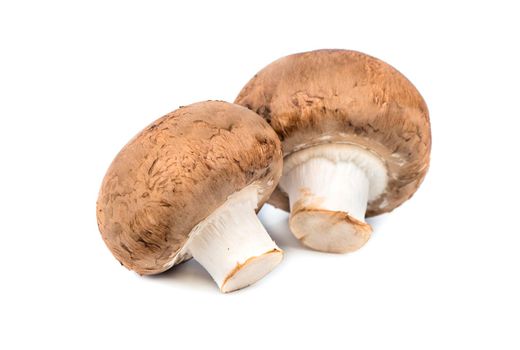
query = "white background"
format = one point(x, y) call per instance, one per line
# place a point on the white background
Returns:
point(78, 80)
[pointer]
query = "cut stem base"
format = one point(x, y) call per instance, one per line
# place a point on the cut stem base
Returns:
point(329, 231)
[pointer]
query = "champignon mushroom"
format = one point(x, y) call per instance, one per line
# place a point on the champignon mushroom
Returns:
point(355, 136)
point(188, 186)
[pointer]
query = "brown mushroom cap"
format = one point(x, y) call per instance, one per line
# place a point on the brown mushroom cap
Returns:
point(175, 173)
point(339, 96)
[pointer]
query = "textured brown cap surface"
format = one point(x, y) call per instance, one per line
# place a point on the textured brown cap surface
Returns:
point(341, 96)
point(175, 173)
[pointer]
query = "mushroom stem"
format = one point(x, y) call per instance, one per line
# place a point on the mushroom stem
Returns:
point(329, 187)
point(232, 244)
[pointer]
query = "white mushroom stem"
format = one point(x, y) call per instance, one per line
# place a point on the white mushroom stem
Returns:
point(324, 184)
point(232, 245)
point(329, 188)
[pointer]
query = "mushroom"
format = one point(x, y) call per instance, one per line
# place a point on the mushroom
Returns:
point(188, 186)
point(356, 141)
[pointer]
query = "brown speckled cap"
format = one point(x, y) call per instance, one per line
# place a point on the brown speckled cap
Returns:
point(175, 173)
point(339, 96)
